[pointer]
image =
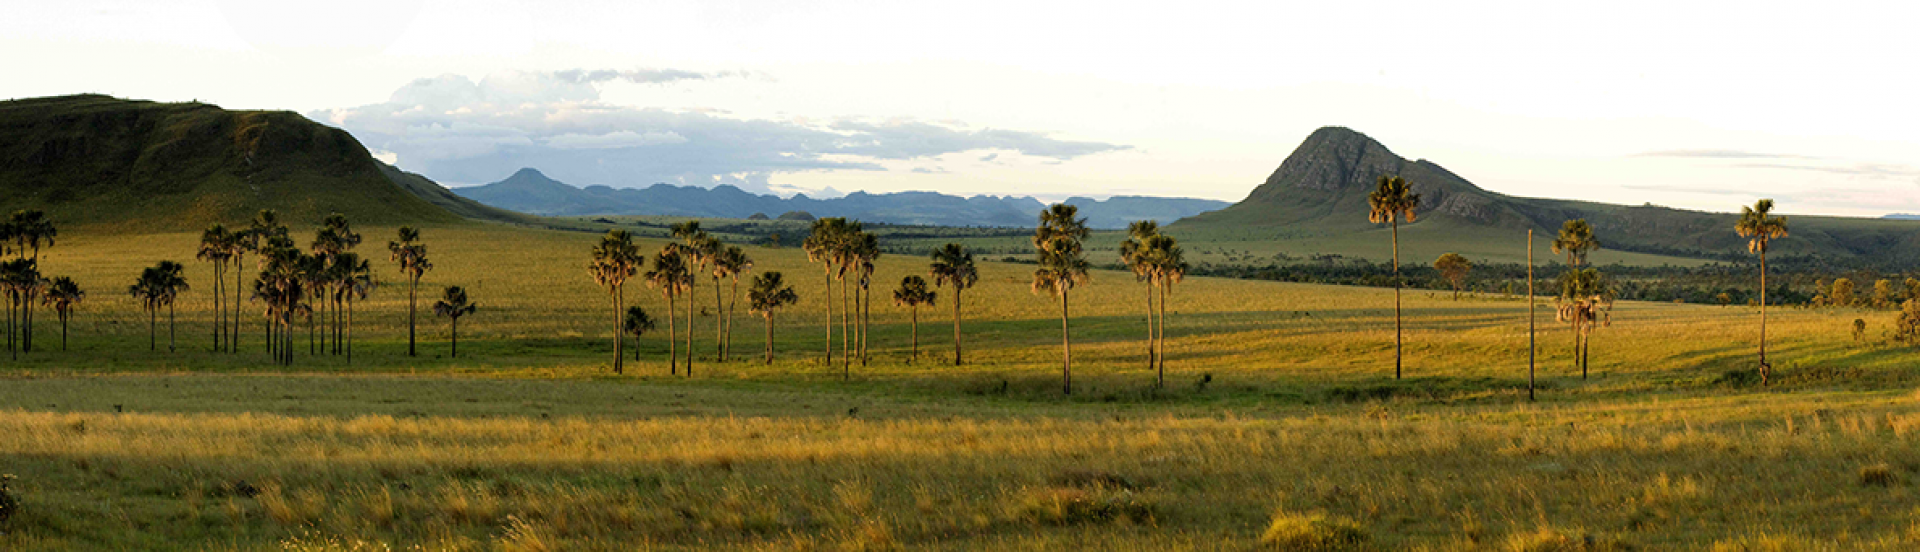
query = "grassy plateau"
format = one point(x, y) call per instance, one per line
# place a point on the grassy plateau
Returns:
point(1280, 427)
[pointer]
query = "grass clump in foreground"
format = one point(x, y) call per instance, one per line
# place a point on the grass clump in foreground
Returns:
point(1314, 532)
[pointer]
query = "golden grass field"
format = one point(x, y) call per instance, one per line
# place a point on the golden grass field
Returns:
point(1281, 427)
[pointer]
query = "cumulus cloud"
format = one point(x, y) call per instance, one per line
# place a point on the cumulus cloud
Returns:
point(455, 129)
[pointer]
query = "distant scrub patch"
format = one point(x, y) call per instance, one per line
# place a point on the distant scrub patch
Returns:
point(1077, 506)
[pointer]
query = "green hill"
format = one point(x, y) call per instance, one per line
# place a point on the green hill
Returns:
point(138, 165)
point(1318, 195)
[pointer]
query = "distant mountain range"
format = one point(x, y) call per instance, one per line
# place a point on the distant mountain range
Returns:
point(529, 191)
point(1320, 192)
point(1902, 216)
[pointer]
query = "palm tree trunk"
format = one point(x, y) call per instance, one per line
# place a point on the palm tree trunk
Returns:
point(169, 327)
point(1066, 348)
point(673, 338)
point(153, 328)
point(218, 313)
point(829, 297)
point(956, 323)
point(619, 335)
point(690, 302)
point(1160, 357)
point(1150, 340)
point(349, 329)
point(1765, 369)
point(1396, 298)
point(233, 341)
point(454, 350)
point(719, 321)
point(846, 348)
point(413, 304)
point(726, 345)
point(769, 318)
point(63, 330)
point(916, 334)
point(26, 335)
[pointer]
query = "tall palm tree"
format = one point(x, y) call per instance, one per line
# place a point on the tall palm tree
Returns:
point(263, 234)
point(411, 256)
point(243, 241)
point(216, 246)
point(911, 294)
point(281, 287)
point(63, 294)
point(637, 324)
point(1063, 265)
point(313, 272)
point(1135, 255)
point(615, 259)
point(864, 251)
point(1392, 200)
point(671, 277)
point(336, 237)
point(453, 304)
point(1760, 228)
point(768, 293)
point(1580, 289)
point(953, 266)
point(1168, 264)
point(352, 280)
point(732, 263)
point(23, 283)
point(823, 245)
point(699, 249)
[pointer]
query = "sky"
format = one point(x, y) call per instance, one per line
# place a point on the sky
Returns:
point(1697, 105)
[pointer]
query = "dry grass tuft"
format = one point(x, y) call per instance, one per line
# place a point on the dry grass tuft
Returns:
point(1074, 506)
point(1314, 532)
point(1879, 475)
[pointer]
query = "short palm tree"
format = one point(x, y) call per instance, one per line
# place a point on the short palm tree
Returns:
point(1391, 201)
point(157, 287)
point(411, 256)
point(63, 295)
point(615, 259)
point(1134, 254)
point(671, 277)
point(730, 263)
point(23, 283)
point(1760, 227)
point(769, 292)
point(911, 294)
point(1585, 302)
point(953, 266)
point(31, 229)
point(353, 280)
point(1577, 288)
point(453, 304)
point(1063, 265)
point(637, 324)
point(216, 246)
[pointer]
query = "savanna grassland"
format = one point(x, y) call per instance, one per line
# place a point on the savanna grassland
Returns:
point(1280, 427)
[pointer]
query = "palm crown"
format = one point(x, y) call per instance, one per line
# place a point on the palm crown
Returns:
point(1392, 200)
point(1759, 226)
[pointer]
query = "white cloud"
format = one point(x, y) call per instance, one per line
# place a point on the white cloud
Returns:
point(616, 139)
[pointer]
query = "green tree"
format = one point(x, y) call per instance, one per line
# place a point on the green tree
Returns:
point(731, 263)
point(1842, 295)
point(63, 295)
point(826, 244)
point(281, 287)
point(158, 286)
point(335, 237)
point(953, 266)
point(698, 251)
point(1758, 225)
point(353, 281)
point(911, 294)
point(1168, 266)
point(1454, 268)
point(767, 294)
point(1135, 256)
point(671, 277)
point(638, 323)
point(411, 256)
point(615, 259)
point(266, 233)
point(1883, 294)
point(453, 304)
point(216, 247)
point(1063, 265)
point(1577, 287)
point(1392, 200)
point(1906, 327)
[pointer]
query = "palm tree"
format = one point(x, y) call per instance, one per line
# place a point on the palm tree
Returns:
point(335, 237)
point(453, 305)
point(313, 272)
point(953, 266)
point(158, 286)
point(733, 262)
point(1390, 202)
point(1134, 254)
point(31, 229)
point(1576, 287)
point(263, 233)
point(352, 281)
point(21, 278)
point(1063, 265)
point(1168, 264)
point(1761, 228)
point(671, 276)
point(637, 324)
point(63, 294)
point(911, 294)
point(615, 259)
point(823, 246)
point(768, 293)
point(281, 286)
point(699, 248)
point(412, 258)
point(216, 246)
point(1454, 268)
point(1585, 302)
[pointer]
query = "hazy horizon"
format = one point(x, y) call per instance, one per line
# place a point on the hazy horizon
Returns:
point(1693, 107)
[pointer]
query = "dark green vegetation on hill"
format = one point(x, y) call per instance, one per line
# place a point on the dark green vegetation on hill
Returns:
point(96, 160)
point(1319, 194)
point(529, 191)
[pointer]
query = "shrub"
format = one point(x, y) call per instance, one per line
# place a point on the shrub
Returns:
point(1070, 506)
point(1548, 539)
point(1315, 532)
point(1878, 475)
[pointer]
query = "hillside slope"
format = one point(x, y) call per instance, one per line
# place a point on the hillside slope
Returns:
point(138, 165)
point(1320, 192)
point(530, 191)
